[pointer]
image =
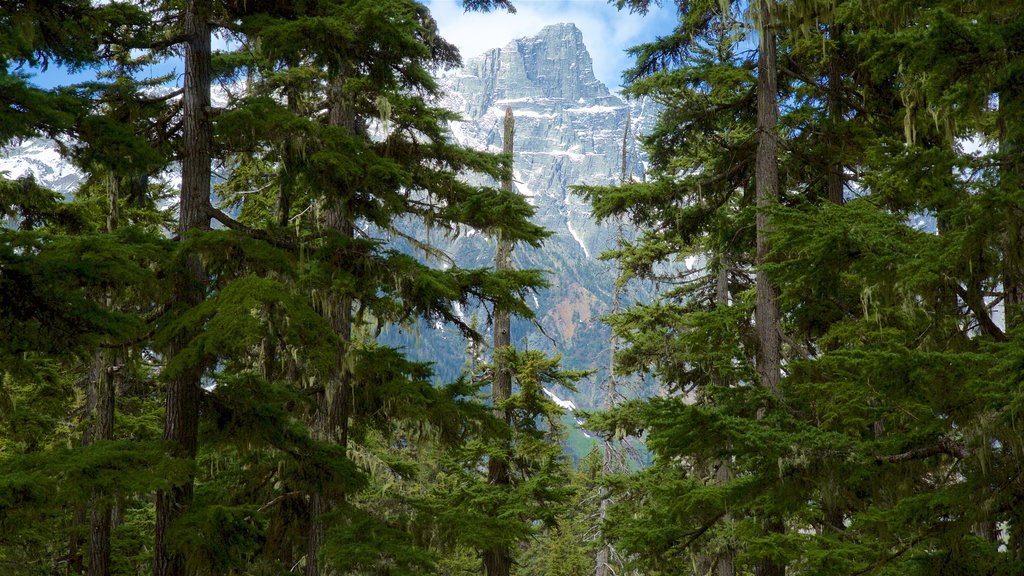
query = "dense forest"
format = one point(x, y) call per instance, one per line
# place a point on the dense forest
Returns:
point(192, 379)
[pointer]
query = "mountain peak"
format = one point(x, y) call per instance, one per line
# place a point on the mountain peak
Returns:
point(553, 64)
point(560, 30)
point(568, 126)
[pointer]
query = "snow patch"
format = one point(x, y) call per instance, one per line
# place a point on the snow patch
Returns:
point(570, 406)
point(524, 189)
point(533, 114)
point(564, 404)
point(586, 252)
point(527, 99)
point(571, 155)
point(595, 109)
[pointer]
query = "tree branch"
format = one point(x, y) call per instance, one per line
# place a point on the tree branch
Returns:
point(945, 445)
point(231, 223)
point(974, 302)
point(164, 98)
point(166, 43)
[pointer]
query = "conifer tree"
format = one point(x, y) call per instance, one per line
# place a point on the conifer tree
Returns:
point(118, 268)
point(498, 561)
point(364, 182)
point(868, 303)
point(181, 416)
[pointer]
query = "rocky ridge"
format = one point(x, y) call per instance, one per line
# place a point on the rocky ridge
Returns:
point(568, 130)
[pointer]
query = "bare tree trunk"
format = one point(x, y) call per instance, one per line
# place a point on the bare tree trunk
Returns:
point(291, 148)
point(315, 538)
point(498, 560)
point(602, 565)
point(725, 564)
point(181, 418)
point(1011, 180)
point(76, 562)
point(105, 374)
point(766, 313)
point(767, 183)
point(331, 423)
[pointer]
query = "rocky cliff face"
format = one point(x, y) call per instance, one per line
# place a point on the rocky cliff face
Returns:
point(569, 127)
point(569, 130)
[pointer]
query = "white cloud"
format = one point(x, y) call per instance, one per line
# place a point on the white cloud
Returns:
point(607, 32)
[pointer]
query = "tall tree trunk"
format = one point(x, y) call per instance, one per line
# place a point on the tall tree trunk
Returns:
point(602, 565)
point(769, 353)
point(76, 561)
point(725, 564)
point(108, 372)
point(333, 402)
point(1011, 184)
point(498, 560)
point(181, 418)
point(331, 421)
point(315, 538)
point(767, 189)
point(291, 150)
point(1011, 179)
point(836, 178)
point(111, 372)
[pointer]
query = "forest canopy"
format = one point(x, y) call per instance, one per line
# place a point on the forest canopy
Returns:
point(193, 382)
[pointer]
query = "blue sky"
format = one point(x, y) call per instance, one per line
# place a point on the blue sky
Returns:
point(607, 32)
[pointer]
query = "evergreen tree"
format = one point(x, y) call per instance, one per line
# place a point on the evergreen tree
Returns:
point(251, 330)
point(498, 560)
point(865, 448)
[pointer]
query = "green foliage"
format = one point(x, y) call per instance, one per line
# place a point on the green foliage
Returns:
point(91, 291)
point(878, 452)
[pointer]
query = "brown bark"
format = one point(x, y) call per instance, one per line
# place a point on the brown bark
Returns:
point(100, 519)
point(331, 423)
point(113, 210)
point(315, 537)
point(76, 562)
point(725, 564)
point(291, 150)
point(769, 353)
point(106, 374)
point(99, 538)
point(767, 189)
point(498, 560)
point(181, 418)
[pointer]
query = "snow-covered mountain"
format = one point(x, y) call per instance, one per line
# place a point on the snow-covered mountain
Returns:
point(568, 125)
point(40, 159)
point(568, 130)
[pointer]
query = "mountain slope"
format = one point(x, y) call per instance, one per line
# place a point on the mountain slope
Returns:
point(569, 130)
